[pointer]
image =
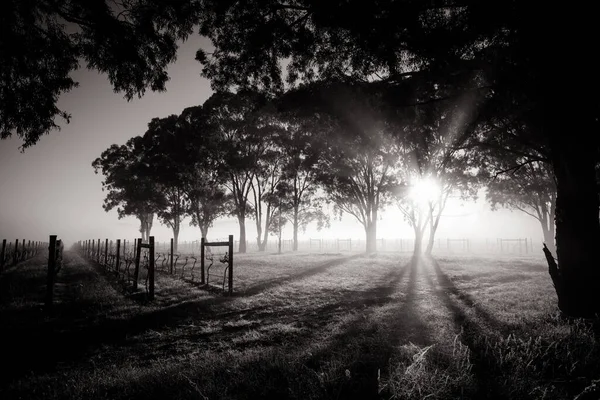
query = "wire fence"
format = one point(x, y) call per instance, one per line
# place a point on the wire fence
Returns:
point(119, 257)
point(20, 250)
point(331, 245)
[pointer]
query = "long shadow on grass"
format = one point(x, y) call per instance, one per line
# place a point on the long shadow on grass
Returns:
point(48, 343)
point(446, 284)
point(364, 346)
point(473, 334)
point(269, 284)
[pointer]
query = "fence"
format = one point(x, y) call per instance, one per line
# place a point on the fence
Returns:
point(511, 246)
point(13, 254)
point(130, 261)
point(133, 262)
point(441, 245)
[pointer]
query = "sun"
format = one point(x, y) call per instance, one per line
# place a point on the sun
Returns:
point(424, 191)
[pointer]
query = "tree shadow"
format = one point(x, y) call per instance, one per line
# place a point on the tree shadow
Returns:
point(473, 334)
point(74, 337)
point(446, 284)
point(369, 346)
point(272, 283)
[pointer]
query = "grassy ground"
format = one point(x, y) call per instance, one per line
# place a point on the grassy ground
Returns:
point(308, 326)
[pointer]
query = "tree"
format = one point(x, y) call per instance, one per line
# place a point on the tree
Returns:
point(357, 165)
point(206, 196)
point(438, 166)
point(231, 118)
point(506, 53)
point(43, 42)
point(264, 200)
point(131, 188)
point(298, 190)
point(529, 189)
point(417, 215)
point(167, 160)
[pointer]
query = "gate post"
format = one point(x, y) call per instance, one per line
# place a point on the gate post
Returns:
point(151, 269)
point(171, 262)
point(106, 253)
point(230, 265)
point(202, 241)
point(2, 255)
point(118, 258)
point(51, 269)
point(136, 272)
point(16, 254)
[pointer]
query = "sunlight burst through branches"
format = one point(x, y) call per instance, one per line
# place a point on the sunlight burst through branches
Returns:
point(424, 191)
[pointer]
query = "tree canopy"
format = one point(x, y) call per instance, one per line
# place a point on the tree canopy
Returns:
point(43, 41)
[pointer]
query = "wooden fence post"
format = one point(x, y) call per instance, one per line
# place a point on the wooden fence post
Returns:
point(16, 255)
point(136, 272)
point(202, 241)
point(2, 255)
point(171, 267)
point(51, 269)
point(99, 252)
point(230, 265)
point(118, 258)
point(151, 270)
point(106, 253)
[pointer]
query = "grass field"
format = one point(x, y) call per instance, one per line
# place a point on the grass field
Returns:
point(306, 326)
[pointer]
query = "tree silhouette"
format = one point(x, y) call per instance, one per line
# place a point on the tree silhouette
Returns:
point(203, 188)
point(529, 189)
point(358, 153)
point(298, 192)
point(167, 157)
point(43, 42)
point(129, 183)
point(231, 118)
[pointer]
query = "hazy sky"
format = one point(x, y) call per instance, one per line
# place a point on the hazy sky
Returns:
point(52, 188)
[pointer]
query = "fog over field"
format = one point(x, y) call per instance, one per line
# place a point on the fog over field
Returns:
point(51, 188)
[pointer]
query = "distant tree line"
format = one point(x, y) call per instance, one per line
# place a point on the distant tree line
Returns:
point(280, 160)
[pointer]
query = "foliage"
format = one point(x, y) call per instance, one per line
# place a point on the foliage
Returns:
point(299, 188)
point(230, 119)
point(165, 156)
point(43, 42)
point(128, 181)
point(358, 153)
point(206, 196)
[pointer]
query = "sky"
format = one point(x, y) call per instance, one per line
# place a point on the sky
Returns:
point(51, 188)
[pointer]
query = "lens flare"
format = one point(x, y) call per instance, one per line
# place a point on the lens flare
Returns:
point(424, 191)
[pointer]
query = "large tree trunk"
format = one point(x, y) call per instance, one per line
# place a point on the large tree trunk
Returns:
point(433, 225)
point(548, 232)
point(204, 231)
point(265, 240)
point(418, 248)
point(175, 237)
point(242, 222)
point(569, 120)
point(371, 231)
point(577, 280)
point(295, 228)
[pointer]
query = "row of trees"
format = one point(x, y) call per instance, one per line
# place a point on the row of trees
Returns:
point(281, 160)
